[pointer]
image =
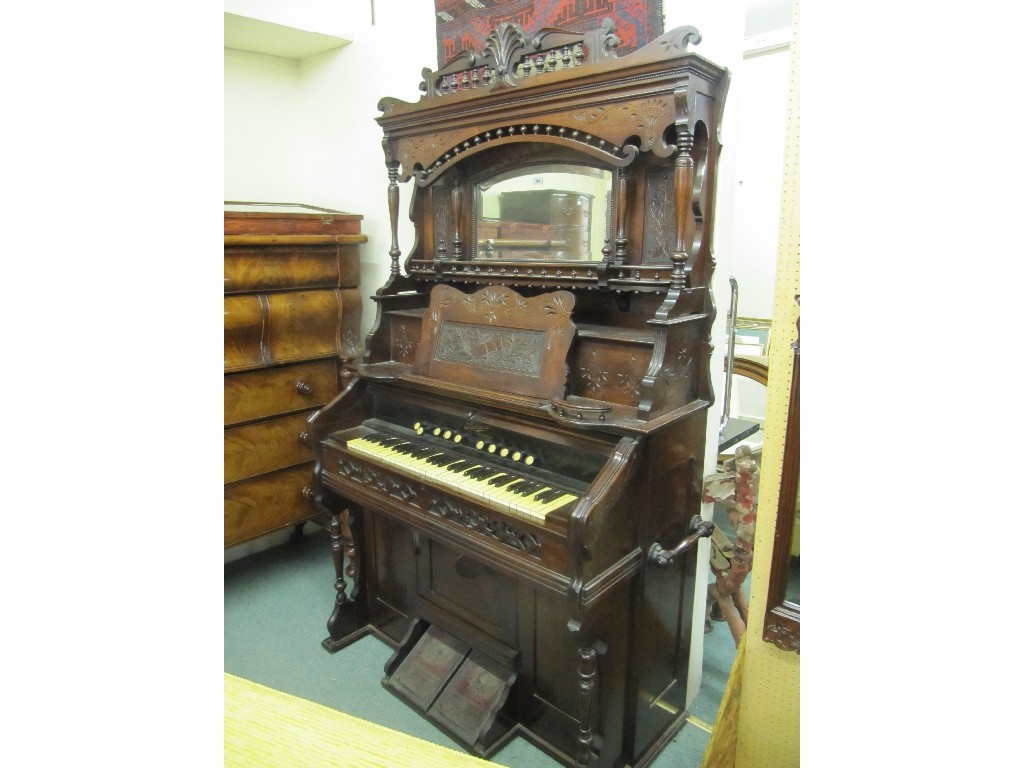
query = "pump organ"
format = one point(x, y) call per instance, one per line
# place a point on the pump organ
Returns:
point(513, 473)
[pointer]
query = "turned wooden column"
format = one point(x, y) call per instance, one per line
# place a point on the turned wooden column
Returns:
point(348, 621)
point(395, 252)
point(683, 188)
point(587, 681)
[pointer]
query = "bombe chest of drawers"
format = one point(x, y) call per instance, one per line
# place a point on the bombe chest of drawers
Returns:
point(292, 315)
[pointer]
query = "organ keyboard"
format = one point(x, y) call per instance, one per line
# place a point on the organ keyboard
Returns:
point(524, 433)
point(499, 487)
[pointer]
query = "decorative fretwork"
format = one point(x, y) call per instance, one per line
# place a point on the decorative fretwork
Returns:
point(382, 482)
point(551, 60)
point(580, 138)
point(510, 56)
point(485, 524)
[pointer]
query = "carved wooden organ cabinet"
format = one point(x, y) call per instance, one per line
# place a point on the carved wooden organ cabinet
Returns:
point(513, 474)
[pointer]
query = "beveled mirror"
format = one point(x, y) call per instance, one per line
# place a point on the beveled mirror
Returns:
point(546, 211)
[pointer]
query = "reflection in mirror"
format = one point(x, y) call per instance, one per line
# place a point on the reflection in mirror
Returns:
point(551, 211)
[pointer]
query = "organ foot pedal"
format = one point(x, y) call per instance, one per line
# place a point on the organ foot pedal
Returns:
point(459, 688)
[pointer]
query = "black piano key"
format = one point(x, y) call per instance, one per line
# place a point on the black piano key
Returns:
point(442, 459)
point(549, 495)
point(519, 487)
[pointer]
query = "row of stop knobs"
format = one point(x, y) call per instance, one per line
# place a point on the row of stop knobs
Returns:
point(496, 449)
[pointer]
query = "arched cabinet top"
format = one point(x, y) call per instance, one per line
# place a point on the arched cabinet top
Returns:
point(556, 87)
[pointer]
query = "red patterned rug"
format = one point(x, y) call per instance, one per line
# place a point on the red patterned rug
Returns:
point(465, 24)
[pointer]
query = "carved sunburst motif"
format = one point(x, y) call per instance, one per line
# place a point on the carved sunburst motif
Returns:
point(683, 363)
point(561, 310)
point(629, 382)
point(492, 304)
point(594, 377)
point(404, 346)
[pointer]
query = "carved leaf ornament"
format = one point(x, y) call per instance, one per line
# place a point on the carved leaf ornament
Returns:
point(643, 117)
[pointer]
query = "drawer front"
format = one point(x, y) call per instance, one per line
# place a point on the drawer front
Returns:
point(290, 267)
point(258, 448)
point(266, 328)
point(244, 318)
point(260, 394)
point(266, 503)
point(466, 587)
point(303, 324)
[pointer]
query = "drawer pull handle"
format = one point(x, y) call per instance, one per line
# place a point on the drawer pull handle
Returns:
point(303, 388)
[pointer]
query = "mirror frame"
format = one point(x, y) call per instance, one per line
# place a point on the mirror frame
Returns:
point(782, 618)
point(473, 183)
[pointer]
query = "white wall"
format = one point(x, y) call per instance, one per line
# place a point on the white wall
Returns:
point(759, 99)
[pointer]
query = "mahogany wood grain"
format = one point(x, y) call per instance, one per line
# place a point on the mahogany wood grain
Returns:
point(265, 503)
point(271, 391)
point(262, 447)
point(262, 222)
point(292, 317)
point(243, 332)
point(277, 267)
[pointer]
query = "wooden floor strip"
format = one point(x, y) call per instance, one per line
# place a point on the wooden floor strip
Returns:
point(272, 729)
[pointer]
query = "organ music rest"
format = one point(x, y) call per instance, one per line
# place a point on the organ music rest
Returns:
point(513, 474)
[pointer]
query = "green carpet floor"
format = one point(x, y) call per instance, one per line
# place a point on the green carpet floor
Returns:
point(276, 605)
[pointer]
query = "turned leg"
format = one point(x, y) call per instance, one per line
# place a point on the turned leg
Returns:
point(587, 677)
point(348, 620)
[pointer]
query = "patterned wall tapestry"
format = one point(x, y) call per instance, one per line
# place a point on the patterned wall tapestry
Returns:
point(465, 24)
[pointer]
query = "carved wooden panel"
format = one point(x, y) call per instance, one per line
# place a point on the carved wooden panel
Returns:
point(443, 229)
point(610, 371)
point(660, 221)
point(499, 339)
